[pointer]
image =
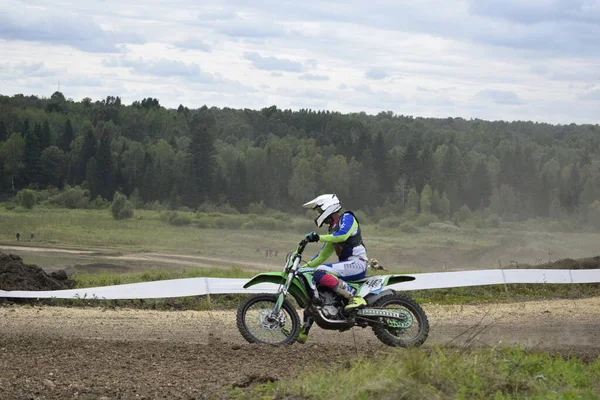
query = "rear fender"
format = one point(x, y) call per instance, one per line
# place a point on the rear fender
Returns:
point(399, 279)
point(371, 298)
point(296, 289)
point(375, 283)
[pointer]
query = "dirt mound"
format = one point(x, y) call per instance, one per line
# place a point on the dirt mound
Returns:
point(568, 263)
point(16, 275)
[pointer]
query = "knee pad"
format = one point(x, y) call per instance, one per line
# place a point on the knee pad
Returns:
point(325, 279)
point(318, 275)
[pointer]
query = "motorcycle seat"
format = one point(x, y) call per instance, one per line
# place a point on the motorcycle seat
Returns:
point(361, 279)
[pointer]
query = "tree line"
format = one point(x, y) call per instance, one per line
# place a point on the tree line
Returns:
point(385, 164)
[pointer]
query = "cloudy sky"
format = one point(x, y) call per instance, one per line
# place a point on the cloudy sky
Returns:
point(493, 59)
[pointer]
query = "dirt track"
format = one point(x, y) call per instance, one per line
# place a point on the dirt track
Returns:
point(58, 353)
point(146, 258)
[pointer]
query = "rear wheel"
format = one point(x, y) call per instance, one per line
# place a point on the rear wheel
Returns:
point(257, 323)
point(411, 331)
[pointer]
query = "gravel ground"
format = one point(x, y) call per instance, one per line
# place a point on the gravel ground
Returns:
point(93, 353)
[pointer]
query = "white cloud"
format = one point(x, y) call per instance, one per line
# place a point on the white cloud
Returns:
point(24, 70)
point(376, 74)
point(273, 63)
point(49, 26)
point(463, 58)
point(592, 95)
point(313, 77)
point(249, 29)
point(162, 67)
point(194, 44)
point(504, 97)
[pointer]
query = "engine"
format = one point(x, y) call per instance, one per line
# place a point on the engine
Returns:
point(330, 309)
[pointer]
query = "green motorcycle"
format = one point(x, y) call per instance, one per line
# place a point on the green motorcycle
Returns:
point(395, 318)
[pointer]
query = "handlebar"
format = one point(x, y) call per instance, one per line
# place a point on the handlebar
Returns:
point(294, 256)
point(301, 246)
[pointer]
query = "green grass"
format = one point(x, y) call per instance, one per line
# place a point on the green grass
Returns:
point(441, 374)
point(85, 280)
point(425, 251)
point(505, 293)
point(147, 231)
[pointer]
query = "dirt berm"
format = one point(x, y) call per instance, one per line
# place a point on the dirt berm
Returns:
point(16, 275)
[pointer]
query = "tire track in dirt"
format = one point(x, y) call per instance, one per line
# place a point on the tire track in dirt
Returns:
point(90, 353)
point(156, 258)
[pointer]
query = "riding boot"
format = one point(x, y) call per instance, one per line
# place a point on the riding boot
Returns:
point(304, 329)
point(354, 301)
point(343, 289)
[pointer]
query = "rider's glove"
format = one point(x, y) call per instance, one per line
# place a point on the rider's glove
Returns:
point(312, 237)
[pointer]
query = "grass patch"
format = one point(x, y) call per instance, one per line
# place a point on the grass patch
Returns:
point(85, 280)
point(249, 237)
point(442, 374)
point(198, 303)
point(505, 293)
point(242, 235)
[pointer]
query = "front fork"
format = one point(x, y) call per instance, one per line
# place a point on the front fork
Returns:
point(278, 303)
point(282, 292)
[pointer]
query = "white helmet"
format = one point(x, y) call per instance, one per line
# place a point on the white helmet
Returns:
point(324, 205)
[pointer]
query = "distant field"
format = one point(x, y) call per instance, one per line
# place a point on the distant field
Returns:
point(426, 250)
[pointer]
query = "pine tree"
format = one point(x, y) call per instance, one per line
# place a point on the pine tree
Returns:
point(25, 127)
point(2, 176)
point(424, 172)
point(571, 190)
point(120, 183)
point(105, 171)
point(67, 137)
point(444, 206)
point(91, 176)
point(203, 153)
point(410, 164)
point(426, 199)
point(88, 151)
point(12, 153)
point(146, 184)
point(363, 142)
point(480, 186)
point(3, 131)
point(52, 166)
point(412, 203)
point(380, 167)
point(238, 191)
point(435, 203)
point(31, 157)
point(45, 136)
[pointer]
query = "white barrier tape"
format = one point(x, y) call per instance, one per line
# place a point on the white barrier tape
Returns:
point(150, 290)
point(440, 280)
point(203, 286)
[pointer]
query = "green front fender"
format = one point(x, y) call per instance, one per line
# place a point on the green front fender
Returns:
point(296, 289)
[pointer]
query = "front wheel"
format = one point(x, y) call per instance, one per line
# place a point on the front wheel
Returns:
point(257, 323)
point(412, 331)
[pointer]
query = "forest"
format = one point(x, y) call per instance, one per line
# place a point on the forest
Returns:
point(384, 165)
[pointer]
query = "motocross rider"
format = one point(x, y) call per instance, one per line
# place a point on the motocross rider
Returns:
point(345, 239)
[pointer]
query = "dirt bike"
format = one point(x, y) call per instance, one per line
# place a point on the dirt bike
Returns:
point(395, 318)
